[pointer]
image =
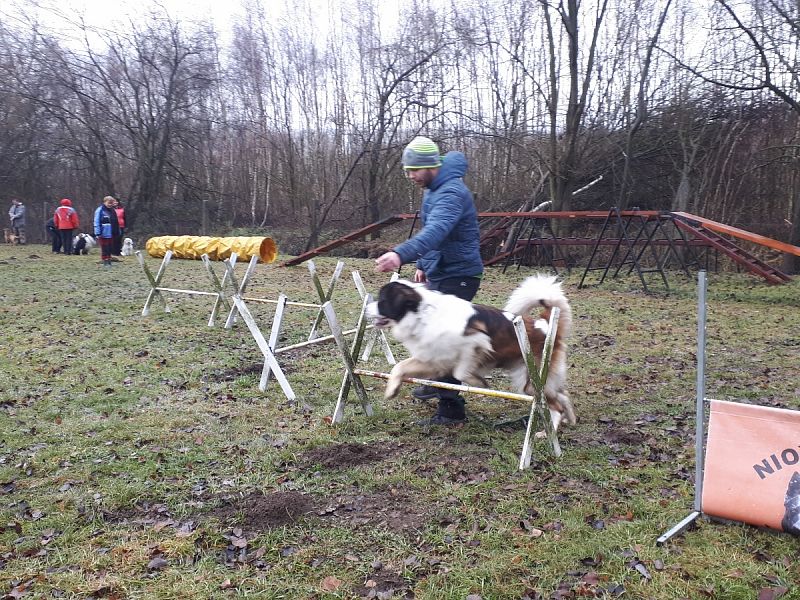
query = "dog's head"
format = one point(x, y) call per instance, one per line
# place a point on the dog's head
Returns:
point(395, 300)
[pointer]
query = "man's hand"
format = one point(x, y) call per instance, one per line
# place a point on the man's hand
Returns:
point(387, 262)
point(419, 276)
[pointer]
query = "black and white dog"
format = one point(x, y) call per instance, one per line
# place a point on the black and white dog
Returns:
point(82, 243)
point(446, 335)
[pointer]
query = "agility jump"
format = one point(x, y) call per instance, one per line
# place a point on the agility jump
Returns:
point(229, 294)
point(538, 377)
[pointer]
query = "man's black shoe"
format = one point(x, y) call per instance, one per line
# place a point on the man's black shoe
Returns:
point(437, 419)
point(425, 392)
point(449, 412)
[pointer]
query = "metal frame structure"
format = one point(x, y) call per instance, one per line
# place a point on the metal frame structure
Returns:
point(703, 233)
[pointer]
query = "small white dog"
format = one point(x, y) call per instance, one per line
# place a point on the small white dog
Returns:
point(127, 247)
point(82, 243)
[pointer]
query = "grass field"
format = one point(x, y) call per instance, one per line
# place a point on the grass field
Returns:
point(139, 460)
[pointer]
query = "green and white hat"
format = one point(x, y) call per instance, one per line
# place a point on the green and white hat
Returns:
point(421, 153)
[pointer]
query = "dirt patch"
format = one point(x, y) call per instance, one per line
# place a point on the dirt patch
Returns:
point(234, 373)
point(457, 466)
point(622, 436)
point(597, 340)
point(143, 513)
point(384, 584)
point(343, 456)
point(396, 509)
point(261, 512)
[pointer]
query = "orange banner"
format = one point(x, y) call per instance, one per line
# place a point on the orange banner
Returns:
point(752, 467)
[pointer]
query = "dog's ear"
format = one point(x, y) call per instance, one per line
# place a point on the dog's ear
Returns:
point(409, 298)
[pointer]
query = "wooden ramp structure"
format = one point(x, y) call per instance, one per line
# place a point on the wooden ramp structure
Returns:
point(708, 230)
point(350, 237)
point(693, 232)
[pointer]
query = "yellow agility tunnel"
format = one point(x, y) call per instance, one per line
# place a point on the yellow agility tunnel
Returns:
point(192, 247)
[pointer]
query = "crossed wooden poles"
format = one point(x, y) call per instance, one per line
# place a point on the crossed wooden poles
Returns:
point(229, 293)
point(538, 376)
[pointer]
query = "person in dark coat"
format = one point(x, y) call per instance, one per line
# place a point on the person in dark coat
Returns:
point(446, 249)
point(17, 215)
point(55, 236)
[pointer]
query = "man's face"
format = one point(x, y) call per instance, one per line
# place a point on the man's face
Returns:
point(109, 203)
point(421, 177)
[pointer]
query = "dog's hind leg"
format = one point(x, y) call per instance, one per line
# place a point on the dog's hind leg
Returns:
point(469, 373)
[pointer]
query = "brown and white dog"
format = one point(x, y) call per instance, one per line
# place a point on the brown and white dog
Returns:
point(447, 335)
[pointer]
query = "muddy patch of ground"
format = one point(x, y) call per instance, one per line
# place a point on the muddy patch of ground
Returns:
point(395, 508)
point(234, 373)
point(344, 456)
point(144, 513)
point(384, 584)
point(457, 466)
point(261, 512)
point(617, 435)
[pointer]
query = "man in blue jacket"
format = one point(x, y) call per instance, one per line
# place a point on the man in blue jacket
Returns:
point(446, 249)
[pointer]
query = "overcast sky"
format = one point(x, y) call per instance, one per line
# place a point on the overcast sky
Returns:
point(115, 15)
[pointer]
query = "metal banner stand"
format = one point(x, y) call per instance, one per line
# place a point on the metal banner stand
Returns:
point(699, 453)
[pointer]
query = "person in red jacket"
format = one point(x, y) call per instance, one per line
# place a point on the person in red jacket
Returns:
point(120, 210)
point(66, 221)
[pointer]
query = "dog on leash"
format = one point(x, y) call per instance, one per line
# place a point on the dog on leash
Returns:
point(82, 243)
point(446, 335)
point(127, 247)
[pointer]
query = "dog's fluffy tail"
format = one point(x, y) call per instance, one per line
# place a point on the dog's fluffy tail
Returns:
point(541, 291)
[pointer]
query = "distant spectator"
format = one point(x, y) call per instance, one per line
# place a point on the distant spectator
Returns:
point(17, 215)
point(55, 237)
point(106, 228)
point(120, 210)
point(66, 221)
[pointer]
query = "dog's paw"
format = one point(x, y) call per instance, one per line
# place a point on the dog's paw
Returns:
point(392, 388)
point(540, 435)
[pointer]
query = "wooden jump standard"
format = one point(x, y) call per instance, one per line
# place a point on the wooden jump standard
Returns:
point(538, 377)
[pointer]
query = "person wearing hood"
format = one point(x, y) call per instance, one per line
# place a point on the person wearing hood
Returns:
point(447, 248)
point(17, 215)
point(66, 222)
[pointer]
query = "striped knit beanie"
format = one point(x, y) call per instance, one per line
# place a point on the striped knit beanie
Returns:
point(421, 153)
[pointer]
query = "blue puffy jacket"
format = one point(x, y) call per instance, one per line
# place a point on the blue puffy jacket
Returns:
point(105, 222)
point(448, 245)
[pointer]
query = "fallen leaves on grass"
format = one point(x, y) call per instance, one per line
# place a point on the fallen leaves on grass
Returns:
point(331, 583)
point(771, 593)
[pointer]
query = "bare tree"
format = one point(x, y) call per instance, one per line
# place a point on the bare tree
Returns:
point(762, 37)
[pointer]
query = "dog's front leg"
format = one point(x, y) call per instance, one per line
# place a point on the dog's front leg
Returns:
point(395, 379)
point(410, 367)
